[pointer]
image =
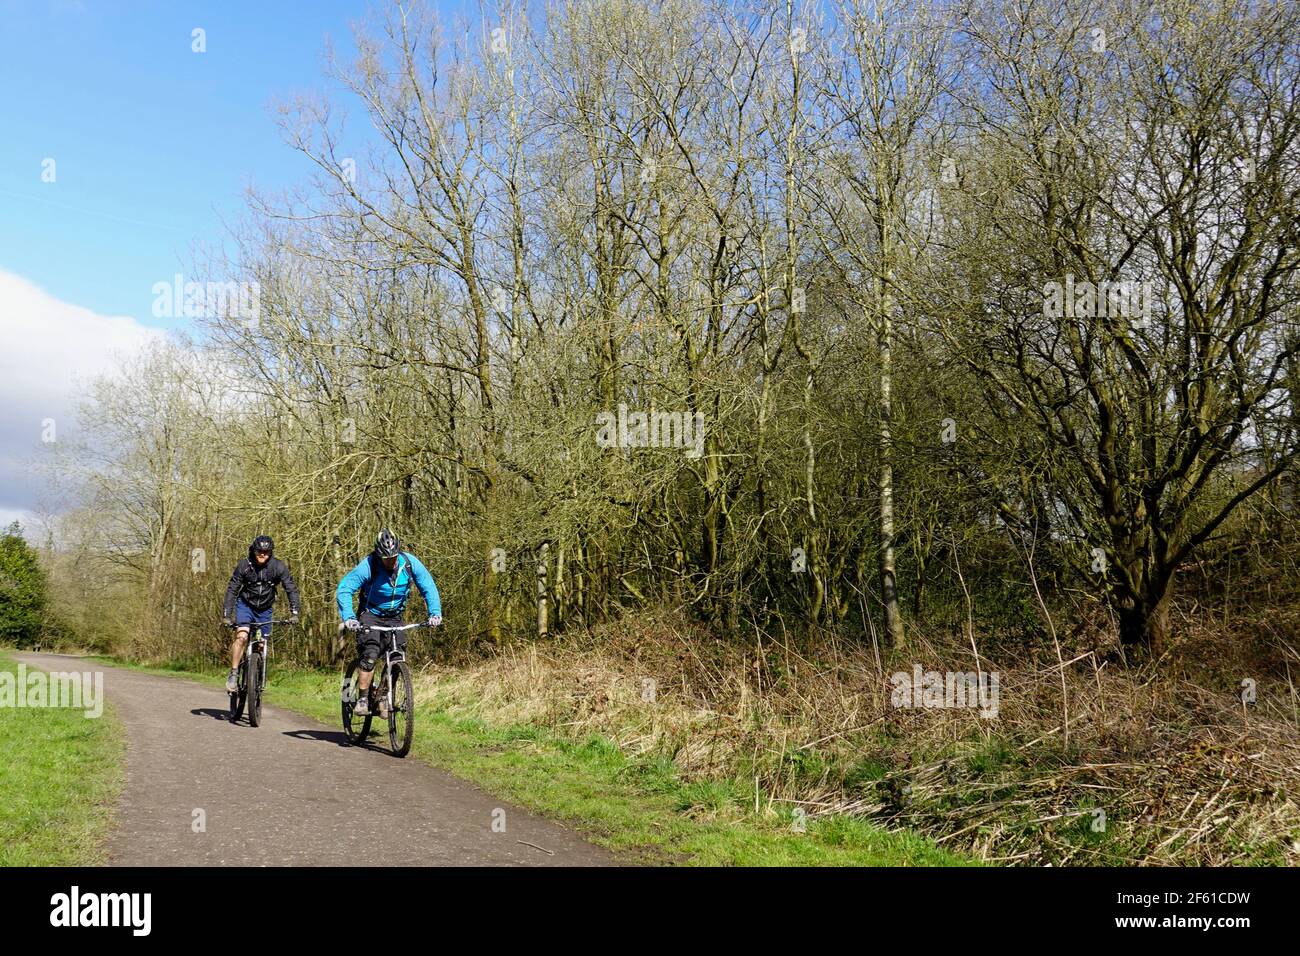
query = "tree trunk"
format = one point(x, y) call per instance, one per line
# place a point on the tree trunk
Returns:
point(1144, 621)
point(888, 580)
point(541, 591)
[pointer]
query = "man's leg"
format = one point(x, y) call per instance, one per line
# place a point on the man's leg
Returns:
point(366, 654)
point(369, 646)
point(236, 657)
point(237, 647)
point(364, 679)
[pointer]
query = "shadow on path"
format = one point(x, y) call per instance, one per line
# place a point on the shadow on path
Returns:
point(211, 712)
point(328, 736)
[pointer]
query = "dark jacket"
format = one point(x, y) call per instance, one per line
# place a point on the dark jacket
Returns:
point(255, 585)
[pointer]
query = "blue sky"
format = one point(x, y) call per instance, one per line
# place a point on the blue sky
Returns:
point(153, 147)
point(153, 143)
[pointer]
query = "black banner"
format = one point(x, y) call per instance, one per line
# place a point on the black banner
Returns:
point(140, 906)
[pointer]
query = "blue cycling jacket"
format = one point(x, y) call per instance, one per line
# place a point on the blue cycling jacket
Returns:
point(385, 594)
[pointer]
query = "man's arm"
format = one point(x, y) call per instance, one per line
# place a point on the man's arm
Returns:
point(352, 582)
point(428, 590)
point(290, 588)
point(232, 593)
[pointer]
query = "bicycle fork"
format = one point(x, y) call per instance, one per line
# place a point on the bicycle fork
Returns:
point(261, 646)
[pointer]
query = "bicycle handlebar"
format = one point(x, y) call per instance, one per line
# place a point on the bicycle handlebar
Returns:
point(252, 624)
point(404, 627)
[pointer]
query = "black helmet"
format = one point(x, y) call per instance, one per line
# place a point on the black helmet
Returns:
point(387, 545)
point(262, 542)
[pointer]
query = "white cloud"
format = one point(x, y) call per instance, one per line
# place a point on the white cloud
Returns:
point(25, 518)
point(49, 350)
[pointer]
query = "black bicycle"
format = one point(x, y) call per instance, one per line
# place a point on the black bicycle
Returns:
point(390, 694)
point(252, 672)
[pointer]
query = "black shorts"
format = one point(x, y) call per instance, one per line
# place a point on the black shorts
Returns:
point(370, 644)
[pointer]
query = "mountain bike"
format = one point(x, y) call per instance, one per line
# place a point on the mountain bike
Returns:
point(252, 672)
point(390, 694)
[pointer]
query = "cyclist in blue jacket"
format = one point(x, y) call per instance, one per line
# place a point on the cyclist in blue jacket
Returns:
point(383, 578)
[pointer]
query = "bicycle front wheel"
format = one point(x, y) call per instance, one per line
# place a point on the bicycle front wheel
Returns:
point(356, 729)
point(401, 717)
point(254, 689)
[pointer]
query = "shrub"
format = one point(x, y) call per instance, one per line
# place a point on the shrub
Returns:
point(22, 589)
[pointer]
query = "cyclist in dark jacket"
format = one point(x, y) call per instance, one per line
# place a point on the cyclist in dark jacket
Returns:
point(250, 596)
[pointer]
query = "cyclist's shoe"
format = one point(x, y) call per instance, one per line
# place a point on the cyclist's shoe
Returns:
point(383, 709)
point(362, 707)
point(232, 682)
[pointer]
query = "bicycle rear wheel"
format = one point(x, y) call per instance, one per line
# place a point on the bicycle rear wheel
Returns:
point(254, 689)
point(401, 718)
point(237, 699)
point(356, 729)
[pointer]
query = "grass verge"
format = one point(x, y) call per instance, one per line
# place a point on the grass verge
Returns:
point(60, 777)
point(640, 808)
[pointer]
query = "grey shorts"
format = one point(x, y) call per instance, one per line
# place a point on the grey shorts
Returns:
point(370, 644)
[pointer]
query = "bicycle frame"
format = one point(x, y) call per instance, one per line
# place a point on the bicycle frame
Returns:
point(392, 655)
point(262, 640)
point(381, 694)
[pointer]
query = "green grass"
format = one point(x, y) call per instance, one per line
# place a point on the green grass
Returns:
point(639, 808)
point(60, 777)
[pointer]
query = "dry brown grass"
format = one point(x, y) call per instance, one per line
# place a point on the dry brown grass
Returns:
point(1185, 774)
